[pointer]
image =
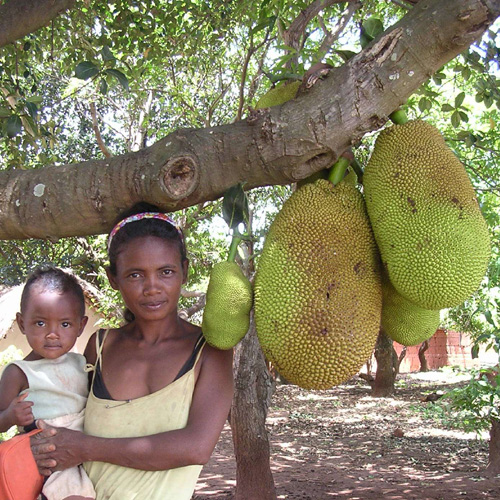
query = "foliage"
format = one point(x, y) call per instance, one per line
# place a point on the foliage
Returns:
point(477, 403)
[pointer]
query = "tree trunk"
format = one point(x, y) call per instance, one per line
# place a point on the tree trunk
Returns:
point(385, 376)
point(253, 389)
point(424, 367)
point(277, 145)
point(494, 448)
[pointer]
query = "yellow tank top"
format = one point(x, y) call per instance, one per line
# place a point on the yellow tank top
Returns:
point(164, 410)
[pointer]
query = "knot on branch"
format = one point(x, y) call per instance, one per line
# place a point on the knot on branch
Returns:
point(181, 176)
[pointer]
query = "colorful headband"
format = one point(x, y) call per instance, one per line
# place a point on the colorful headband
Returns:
point(144, 215)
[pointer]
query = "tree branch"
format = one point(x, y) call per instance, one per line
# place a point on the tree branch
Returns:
point(95, 125)
point(277, 145)
point(21, 17)
point(330, 37)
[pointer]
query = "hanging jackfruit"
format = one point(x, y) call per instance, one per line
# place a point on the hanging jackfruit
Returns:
point(404, 321)
point(431, 234)
point(317, 289)
point(278, 95)
point(226, 317)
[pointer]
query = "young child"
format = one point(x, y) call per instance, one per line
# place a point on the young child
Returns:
point(50, 383)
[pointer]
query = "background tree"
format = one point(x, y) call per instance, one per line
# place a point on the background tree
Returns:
point(114, 102)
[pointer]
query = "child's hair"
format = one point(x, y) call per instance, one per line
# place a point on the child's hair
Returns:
point(52, 279)
point(140, 228)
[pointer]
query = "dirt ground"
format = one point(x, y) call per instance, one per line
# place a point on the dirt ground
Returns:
point(343, 443)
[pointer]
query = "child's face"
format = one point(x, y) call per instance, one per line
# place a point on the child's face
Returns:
point(51, 321)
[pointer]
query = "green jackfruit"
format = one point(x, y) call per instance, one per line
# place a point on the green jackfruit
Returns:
point(431, 234)
point(317, 289)
point(226, 317)
point(278, 95)
point(404, 321)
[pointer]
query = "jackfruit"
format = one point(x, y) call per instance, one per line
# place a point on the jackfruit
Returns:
point(404, 321)
point(278, 95)
point(229, 299)
point(432, 237)
point(317, 289)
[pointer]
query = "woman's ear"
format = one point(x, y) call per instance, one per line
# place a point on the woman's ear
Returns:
point(111, 279)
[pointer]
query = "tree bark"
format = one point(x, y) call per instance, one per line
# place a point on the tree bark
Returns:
point(494, 448)
point(385, 376)
point(278, 145)
point(253, 389)
point(20, 17)
point(424, 367)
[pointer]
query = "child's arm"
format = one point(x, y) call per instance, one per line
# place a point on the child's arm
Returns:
point(14, 410)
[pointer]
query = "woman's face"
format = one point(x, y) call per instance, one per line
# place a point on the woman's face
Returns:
point(149, 276)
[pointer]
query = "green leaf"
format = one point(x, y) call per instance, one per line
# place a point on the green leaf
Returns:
point(373, 27)
point(424, 104)
point(455, 119)
point(86, 70)
point(464, 116)
point(345, 54)
point(5, 112)
point(32, 109)
point(122, 79)
point(459, 99)
point(106, 53)
point(447, 108)
point(103, 86)
point(235, 206)
point(14, 126)
point(267, 23)
point(36, 99)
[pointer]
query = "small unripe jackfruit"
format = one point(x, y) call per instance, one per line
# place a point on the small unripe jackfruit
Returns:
point(404, 321)
point(432, 237)
point(226, 317)
point(318, 295)
point(278, 95)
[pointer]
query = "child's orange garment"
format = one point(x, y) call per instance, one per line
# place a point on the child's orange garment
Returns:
point(164, 410)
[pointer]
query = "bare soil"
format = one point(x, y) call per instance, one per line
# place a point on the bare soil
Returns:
point(343, 443)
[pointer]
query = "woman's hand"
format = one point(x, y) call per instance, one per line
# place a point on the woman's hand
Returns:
point(55, 448)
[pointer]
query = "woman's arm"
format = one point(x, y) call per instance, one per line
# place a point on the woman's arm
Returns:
point(189, 446)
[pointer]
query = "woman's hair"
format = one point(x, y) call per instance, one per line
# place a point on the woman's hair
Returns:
point(52, 279)
point(141, 228)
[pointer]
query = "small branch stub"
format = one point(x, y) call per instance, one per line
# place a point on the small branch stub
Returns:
point(181, 176)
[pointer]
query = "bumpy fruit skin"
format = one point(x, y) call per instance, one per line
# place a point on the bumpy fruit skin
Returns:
point(317, 289)
point(278, 95)
point(404, 321)
point(431, 234)
point(226, 317)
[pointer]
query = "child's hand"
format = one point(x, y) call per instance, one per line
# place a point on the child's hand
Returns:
point(20, 411)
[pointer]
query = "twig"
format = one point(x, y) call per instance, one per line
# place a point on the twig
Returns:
point(100, 142)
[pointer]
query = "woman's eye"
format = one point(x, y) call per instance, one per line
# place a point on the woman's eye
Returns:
point(133, 275)
point(167, 271)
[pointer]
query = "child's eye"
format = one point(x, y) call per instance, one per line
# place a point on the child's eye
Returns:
point(65, 324)
point(40, 323)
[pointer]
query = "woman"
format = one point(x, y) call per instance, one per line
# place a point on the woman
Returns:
point(159, 396)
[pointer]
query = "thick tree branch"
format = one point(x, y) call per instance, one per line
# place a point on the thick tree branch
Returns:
point(279, 145)
point(20, 17)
